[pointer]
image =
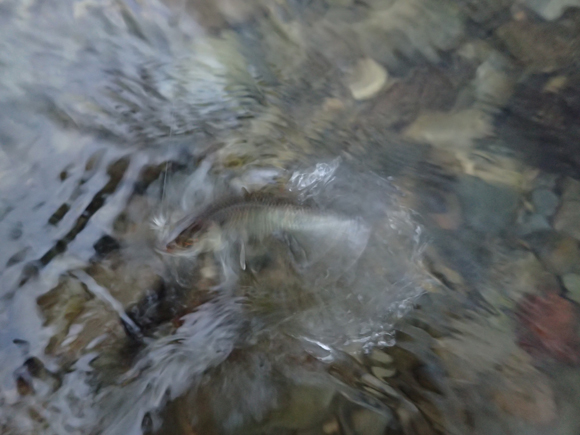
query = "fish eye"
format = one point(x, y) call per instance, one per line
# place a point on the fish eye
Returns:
point(170, 247)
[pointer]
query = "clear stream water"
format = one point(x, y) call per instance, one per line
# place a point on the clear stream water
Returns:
point(429, 285)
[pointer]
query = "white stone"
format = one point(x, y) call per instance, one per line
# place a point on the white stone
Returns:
point(367, 79)
point(383, 373)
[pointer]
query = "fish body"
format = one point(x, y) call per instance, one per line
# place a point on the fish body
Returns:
point(256, 219)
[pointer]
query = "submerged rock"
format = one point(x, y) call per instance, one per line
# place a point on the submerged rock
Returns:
point(548, 327)
point(571, 190)
point(521, 274)
point(367, 79)
point(542, 47)
point(532, 223)
point(410, 29)
point(455, 130)
point(487, 208)
point(559, 254)
point(568, 219)
point(476, 347)
point(369, 423)
point(551, 9)
point(493, 82)
point(571, 282)
point(77, 318)
point(496, 169)
point(525, 392)
point(545, 201)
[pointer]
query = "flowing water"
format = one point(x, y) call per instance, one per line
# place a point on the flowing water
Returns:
point(338, 217)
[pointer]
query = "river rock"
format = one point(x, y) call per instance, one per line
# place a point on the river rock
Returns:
point(548, 328)
point(411, 29)
point(532, 223)
point(306, 406)
point(545, 201)
point(493, 85)
point(367, 79)
point(550, 9)
point(424, 89)
point(546, 181)
point(496, 169)
point(340, 3)
point(383, 373)
point(542, 47)
point(331, 427)
point(476, 347)
point(571, 282)
point(486, 11)
point(520, 274)
point(487, 208)
point(368, 422)
point(381, 357)
point(525, 393)
point(455, 130)
point(571, 190)
point(77, 319)
point(560, 254)
point(568, 219)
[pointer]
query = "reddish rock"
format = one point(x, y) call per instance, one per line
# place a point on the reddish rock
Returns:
point(548, 327)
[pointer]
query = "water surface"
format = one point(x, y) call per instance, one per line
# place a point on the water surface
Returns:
point(438, 137)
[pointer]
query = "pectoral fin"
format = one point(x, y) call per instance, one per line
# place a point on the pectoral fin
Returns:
point(243, 255)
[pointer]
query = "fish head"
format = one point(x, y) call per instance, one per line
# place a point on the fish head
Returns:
point(183, 240)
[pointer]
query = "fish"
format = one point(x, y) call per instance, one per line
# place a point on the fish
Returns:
point(309, 233)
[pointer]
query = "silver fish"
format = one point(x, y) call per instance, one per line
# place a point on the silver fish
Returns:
point(309, 233)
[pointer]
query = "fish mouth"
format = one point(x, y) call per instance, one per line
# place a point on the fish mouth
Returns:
point(164, 250)
point(166, 247)
point(178, 251)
